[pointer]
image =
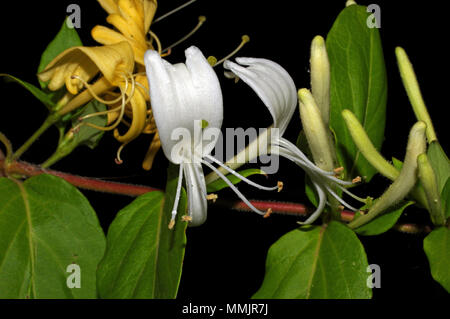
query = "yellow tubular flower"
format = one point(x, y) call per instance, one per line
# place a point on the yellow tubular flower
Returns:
point(80, 64)
point(139, 116)
point(132, 19)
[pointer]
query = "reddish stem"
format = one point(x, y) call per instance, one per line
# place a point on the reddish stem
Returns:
point(89, 183)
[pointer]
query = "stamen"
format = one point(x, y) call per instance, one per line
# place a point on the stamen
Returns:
point(177, 198)
point(165, 15)
point(88, 87)
point(242, 177)
point(118, 160)
point(322, 201)
point(268, 213)
point(362, 200)
point(234, 188)
point(201, 20)
point(280, 186)
point(245, 39)
point(122, 110)
point(340, 200)
point(116, 109)
point(158, 43)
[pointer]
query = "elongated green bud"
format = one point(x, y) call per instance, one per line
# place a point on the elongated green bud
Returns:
point(366, 147)
point(428, 179)
point(413, 90)
point(320, 77)
point(404, 182)
point(316, 132)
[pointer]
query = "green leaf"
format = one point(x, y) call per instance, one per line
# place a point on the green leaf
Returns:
point(437, 249)
point(383, 222)
point(316, 262)
point(358, 83)
point(46, 224)
point(440, 163)
point(40, 95)
point(219, 184)
point(445, 197)
point(143, 257)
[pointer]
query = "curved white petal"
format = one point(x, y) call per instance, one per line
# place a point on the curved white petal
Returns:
point(182, 95)
point(196, 192)
point(272, 84)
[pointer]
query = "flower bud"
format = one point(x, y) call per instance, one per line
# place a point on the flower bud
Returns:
point(404, 182)
point(320, 77)
point(366, 147)
point(429, 183)
point(413, 90)
point(316, 132)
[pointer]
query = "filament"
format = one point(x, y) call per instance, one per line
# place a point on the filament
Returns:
point(158, 43)
point(245, 39)
point(173, 11)
point(311, 219)
point(201, 20)
point(88, 87)
point(118, 160)
point(340, 200)
point(122, 108)
point(240, 176)
point(234, 188)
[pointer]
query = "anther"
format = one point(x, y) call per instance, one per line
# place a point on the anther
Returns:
point(212, 197)
point(268, 213)
point(245, 39)
point(357, 179)
point(201, 20)
point(186, 218)
point(280, 186)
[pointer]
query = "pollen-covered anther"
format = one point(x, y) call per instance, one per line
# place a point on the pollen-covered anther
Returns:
point(357, 179)
point(186, 218)
point(340, 208)
point(212, 197)
point(172, 223)
point(338, 170)
point(362, 212)
point(268, 213)
point(280, 186)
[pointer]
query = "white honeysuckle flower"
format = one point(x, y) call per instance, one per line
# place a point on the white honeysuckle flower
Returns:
point(275, 87)
point(187, 103)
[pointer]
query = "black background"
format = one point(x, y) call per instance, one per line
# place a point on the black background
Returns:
point(225, 257)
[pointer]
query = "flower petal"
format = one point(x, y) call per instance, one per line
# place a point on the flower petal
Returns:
point(272, 84)
point(181, 96)
point(196, 192)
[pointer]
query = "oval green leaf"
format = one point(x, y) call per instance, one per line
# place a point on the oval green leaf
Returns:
point(358, 83)
point(46, 225)
point(143, 257)
point(437, 249)
point(316, 262)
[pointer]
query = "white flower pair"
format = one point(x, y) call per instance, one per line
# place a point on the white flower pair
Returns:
point(189, 96)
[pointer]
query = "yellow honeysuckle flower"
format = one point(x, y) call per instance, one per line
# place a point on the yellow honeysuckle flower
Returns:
point(132, 19)
point(75, 66)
